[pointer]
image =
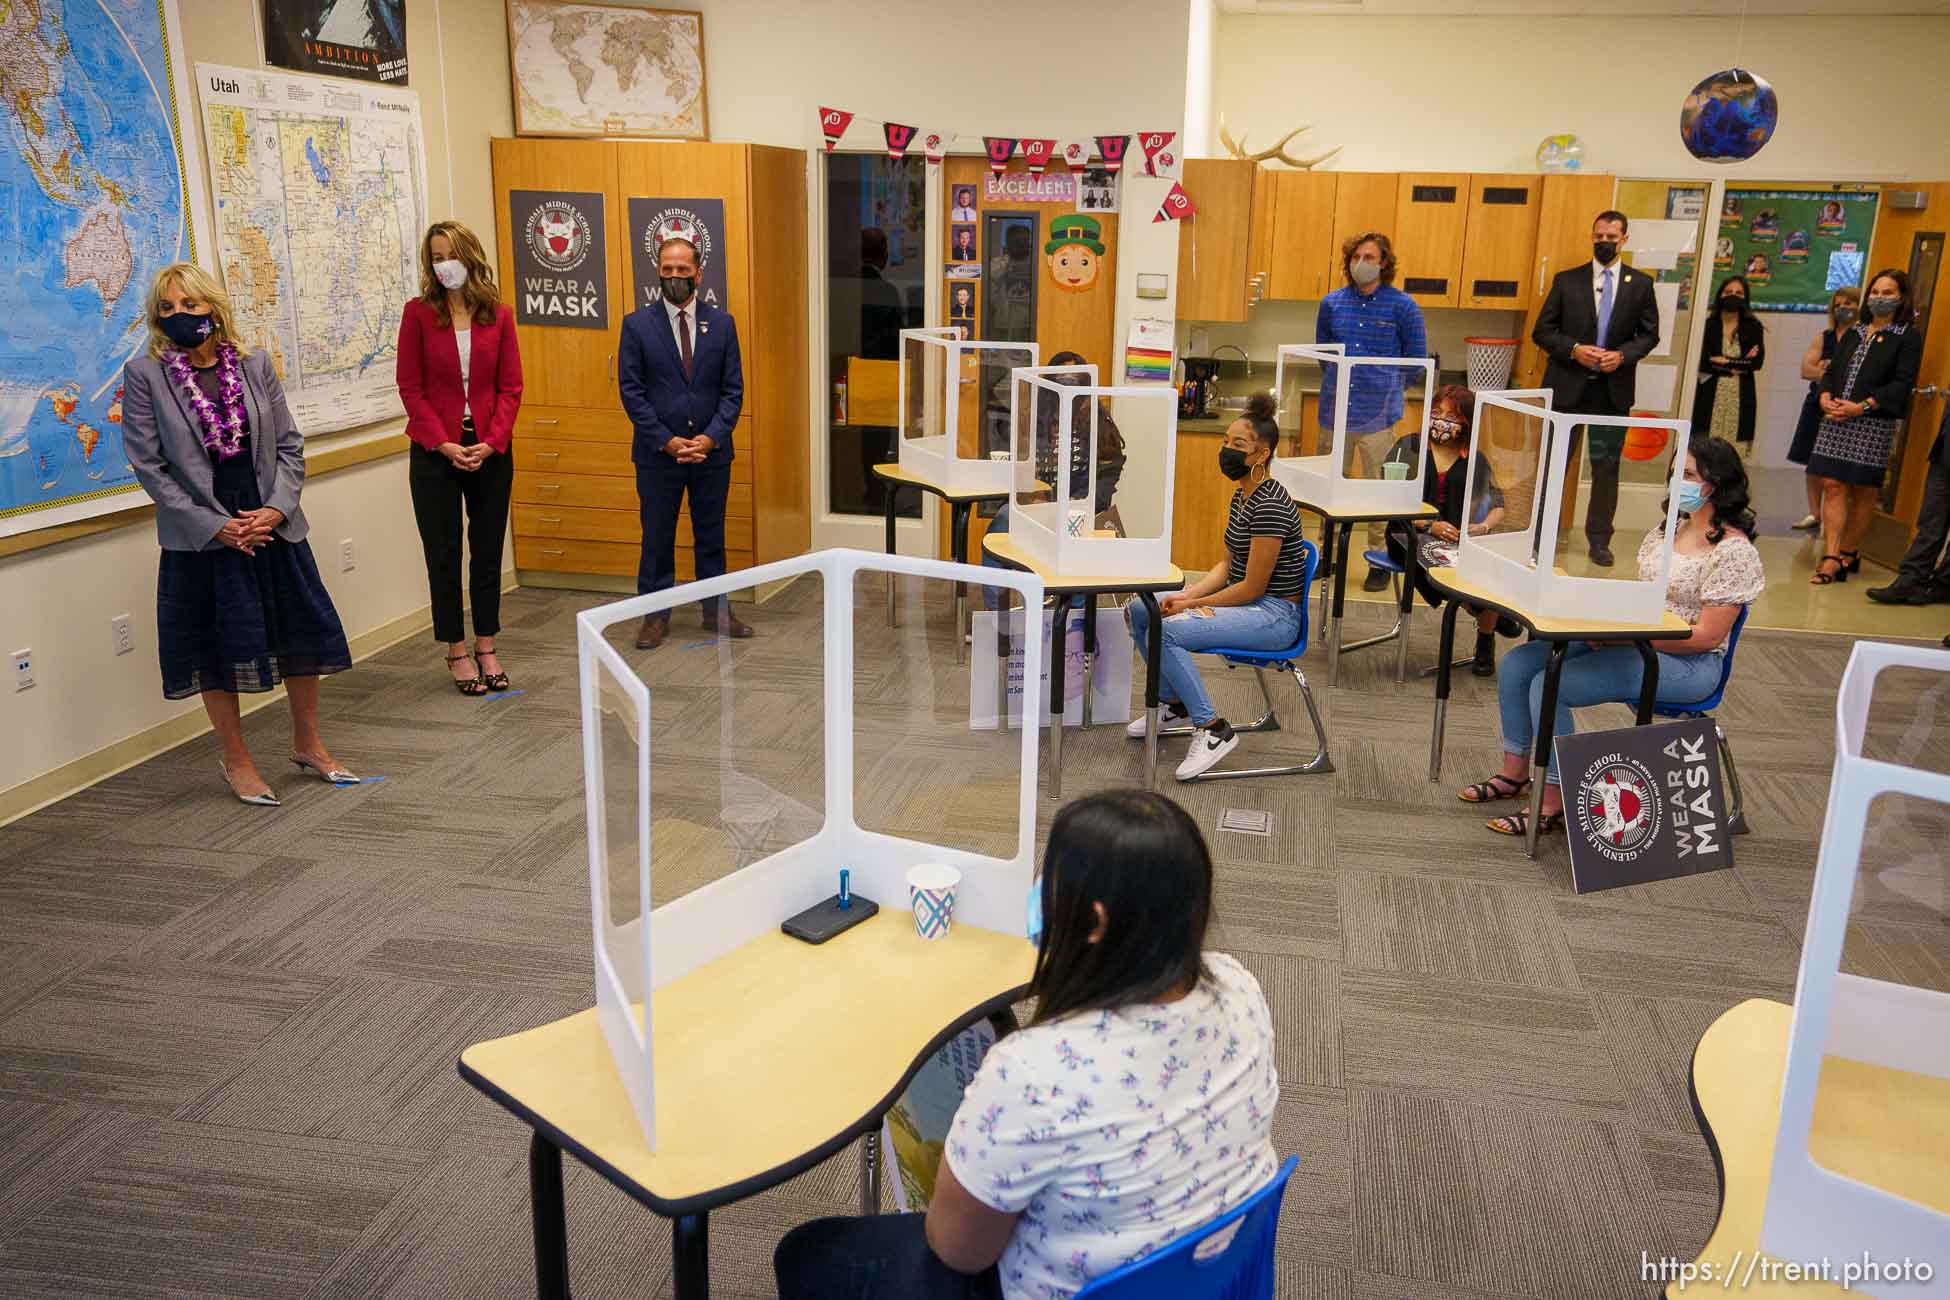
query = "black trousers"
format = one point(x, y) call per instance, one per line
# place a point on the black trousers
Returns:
point(882, 1257)
point(439, 490)
point(1926, 562)
point(1603, 507)
point(661, 488)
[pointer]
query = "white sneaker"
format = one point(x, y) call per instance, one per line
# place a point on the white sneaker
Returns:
point(1209, 745)
point(1806, 523)
point(1168, 714)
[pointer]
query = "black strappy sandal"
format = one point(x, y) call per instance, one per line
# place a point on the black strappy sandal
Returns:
point(1518, 823)
point(1822, 578)
point(495, 682)
point(1491, 791)
point(467, 685)
point(1851, 561)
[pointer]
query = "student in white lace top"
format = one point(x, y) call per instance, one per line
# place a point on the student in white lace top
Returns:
point(1716, 572)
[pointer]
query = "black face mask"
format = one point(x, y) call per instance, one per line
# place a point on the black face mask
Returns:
point(1605, 253)
point(186, 329)
point(1732, 302)
point(678, 288)
point(1232, 463)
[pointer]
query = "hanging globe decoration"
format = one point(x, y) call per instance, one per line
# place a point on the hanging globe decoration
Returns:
point(1560, 153)
point(1729, 117)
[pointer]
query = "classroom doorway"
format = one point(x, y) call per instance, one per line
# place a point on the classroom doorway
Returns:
point(1892, 525)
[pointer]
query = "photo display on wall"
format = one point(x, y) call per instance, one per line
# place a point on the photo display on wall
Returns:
point(1796, 247)
point(561, 259)
point(339, 38)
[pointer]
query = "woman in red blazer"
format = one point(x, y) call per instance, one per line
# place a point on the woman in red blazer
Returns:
point(460, 378)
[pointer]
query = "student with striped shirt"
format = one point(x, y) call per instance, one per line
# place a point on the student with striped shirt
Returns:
point(1250, 599)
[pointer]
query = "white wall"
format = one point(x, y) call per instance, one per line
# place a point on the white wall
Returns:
point(59, 601)
point(1478, 93)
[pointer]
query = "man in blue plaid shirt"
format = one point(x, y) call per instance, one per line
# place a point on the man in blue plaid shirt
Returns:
point(1370, 317)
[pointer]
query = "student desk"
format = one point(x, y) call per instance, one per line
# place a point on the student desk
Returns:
point(769, 1059)
point(1063, 586)
point(1560, 632)
point(1337, 547)
point(962, 505)
point(1877, 1125)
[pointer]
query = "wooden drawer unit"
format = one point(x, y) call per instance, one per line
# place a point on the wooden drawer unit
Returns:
point(570, 555)
point(582, 524)
point(606, 492)
point(575, 423)
point(552, 456)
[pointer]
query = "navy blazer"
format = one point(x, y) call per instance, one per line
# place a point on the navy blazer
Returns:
point(660, 401)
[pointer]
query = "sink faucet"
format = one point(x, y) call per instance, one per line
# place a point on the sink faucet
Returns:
point(1236, 348)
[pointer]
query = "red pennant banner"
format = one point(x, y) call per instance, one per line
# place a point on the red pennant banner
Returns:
point(1074, 154)
point(935, 145)
point(1000, 148)
point(1111, 148)
point(898, 138)
point(832, 124)
point(1176, 207)
point(1038, 153)
point(1155, 145)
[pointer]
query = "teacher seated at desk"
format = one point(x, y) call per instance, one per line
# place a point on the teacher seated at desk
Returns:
point(1134, 1109)
point(1444, 482)
point(1249, 601)
point(1716, 571)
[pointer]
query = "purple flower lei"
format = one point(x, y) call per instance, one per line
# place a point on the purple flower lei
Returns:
point(223, 430)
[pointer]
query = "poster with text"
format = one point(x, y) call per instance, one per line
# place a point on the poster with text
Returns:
point(339, 38)
point(701, 221)
point(561, 259)
point(1794, 246)
point(1644, 804)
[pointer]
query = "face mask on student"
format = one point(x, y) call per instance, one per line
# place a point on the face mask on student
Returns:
point(451, 273)
point(678, 288)
point(1441, 430)
point(186, 329)
point(1033, 925)
point(1883, 308)
point(1364, 273)
point(1232, 463)
point(1691, 497)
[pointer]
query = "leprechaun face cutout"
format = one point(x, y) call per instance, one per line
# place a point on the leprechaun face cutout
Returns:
point(1075, 252)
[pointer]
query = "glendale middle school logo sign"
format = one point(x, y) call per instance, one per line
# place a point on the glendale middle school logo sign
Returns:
point(561, 260)
point(1643, 804)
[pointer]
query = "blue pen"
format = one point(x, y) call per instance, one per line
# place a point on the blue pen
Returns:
point(846, 895)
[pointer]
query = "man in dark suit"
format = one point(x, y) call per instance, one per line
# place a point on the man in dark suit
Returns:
point(682, 385)
point(1600, 320)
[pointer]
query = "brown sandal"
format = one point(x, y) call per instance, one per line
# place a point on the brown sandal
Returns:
point(468, 685)
point(1490, 792)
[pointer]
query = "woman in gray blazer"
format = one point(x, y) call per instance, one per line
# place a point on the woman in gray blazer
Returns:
point(239, 603)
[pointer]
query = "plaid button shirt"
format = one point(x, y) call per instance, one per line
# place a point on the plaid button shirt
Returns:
point(1385, 323)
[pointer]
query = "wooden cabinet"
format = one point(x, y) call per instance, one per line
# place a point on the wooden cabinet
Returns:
point(1304, 259)
point(1363, 202)
point(575, 502)
point(1500, 245)
point(1212, 255)
point(1431, 211)
point(1568, 203)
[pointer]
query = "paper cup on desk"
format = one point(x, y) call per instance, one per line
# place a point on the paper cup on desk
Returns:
point(931, 890)
point(1395, 469)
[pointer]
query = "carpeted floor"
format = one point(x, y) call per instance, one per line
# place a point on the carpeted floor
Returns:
point(227, 1036)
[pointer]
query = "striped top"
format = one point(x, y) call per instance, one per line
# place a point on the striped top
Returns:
point(1267, 512)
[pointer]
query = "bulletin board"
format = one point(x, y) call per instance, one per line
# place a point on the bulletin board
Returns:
point(1796, 247)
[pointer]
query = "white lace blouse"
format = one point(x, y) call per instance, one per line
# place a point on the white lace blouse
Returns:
point(1729, 574)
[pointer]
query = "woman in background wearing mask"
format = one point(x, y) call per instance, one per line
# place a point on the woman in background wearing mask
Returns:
point(1249, 600)
point(1443, 482)
point(1843, 309)
point(1864, 397)
point(460, 380)
point(1734, 348)
point(1716, 571)
point(239, 603)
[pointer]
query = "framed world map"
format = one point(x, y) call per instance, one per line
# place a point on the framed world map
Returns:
point(606, 70)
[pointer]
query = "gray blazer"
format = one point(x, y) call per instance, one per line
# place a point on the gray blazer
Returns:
point(165, 449)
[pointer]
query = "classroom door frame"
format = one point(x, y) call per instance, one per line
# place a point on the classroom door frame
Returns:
point(1893, 525)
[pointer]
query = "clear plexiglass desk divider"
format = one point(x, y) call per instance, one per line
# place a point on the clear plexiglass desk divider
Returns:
point(1093, 470)
point(1363, 411)
point(1521, 556)
point(954, 409)
point(727, 783)
point(1812, 1212)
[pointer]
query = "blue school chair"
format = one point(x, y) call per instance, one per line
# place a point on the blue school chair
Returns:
point(1737, 813)
point(1230, 1258)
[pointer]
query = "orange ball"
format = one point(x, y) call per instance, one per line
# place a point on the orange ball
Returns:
point(1644, 444)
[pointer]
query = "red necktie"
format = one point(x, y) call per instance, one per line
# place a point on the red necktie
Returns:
point(684, 340)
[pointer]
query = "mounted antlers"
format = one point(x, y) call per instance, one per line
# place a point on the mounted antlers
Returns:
point(1238, 149)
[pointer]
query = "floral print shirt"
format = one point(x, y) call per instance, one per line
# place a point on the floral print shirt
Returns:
point(1729, 574)
point(1114, 1133)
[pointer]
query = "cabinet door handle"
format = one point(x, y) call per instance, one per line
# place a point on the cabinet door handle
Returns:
point(549, 487)
point(545, 423)
point(1542, 262)
point(552, 455)
point(545, 519)
point(548, 551)
point(612, 367)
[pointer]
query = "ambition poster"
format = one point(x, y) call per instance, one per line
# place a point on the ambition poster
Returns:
point(365, 39)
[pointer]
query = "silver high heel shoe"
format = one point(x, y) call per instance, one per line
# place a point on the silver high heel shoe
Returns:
point(337, 775)
point(265, 800)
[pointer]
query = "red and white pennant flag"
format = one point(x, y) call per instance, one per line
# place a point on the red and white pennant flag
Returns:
point(1037, 154)
point(1176, 207)
point(1074, 154)
point(935, 144)
point(898, 138)
point(832, 124)
point(1160, 159)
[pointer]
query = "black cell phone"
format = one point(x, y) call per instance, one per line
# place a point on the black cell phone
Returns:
point(822, 921)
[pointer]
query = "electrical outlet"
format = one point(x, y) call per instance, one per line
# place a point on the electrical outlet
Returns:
point(124, 636)
point(23, 669)
point(347, 562)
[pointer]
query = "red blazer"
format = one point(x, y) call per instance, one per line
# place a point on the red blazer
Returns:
point(429, 378)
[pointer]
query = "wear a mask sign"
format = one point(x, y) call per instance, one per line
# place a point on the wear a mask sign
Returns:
point(1644, 804)
point(701, 221)
point(561, 259)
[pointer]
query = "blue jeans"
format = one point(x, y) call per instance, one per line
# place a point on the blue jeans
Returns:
point(1611, 675)
point(1269, 623)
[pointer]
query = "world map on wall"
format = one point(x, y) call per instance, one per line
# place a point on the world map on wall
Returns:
point(603, 70)
point(92, 199)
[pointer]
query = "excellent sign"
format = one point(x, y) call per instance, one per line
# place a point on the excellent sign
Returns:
point(1643, 804)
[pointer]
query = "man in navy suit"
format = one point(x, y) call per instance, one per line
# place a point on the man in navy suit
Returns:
point(682, 386)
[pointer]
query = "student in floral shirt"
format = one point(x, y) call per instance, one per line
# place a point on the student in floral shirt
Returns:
point(1136, 1107)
